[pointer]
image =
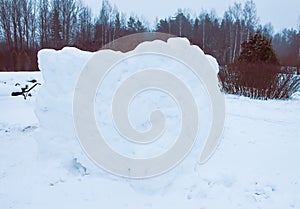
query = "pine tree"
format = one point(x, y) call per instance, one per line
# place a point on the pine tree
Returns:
point(258, 50)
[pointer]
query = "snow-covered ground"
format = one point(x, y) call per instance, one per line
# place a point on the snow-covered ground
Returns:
point(255, 166)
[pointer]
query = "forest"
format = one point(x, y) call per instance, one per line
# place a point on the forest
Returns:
point(27, 26)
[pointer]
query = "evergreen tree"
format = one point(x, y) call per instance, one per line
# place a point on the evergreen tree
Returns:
point(131, 24)
point(163, 26)
point(258, 50)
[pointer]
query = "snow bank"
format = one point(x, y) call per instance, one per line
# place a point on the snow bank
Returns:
point(57, 138)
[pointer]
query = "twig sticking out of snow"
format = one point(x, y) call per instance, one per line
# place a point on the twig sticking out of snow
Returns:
point(24, 91)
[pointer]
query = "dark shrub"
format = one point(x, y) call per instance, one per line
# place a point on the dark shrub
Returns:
point(259, 81)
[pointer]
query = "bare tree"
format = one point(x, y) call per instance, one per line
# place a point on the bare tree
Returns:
point(84, 28)
point(56, 24)
point(5, 20)
point(267, 30)
point(44, 16)
point(250, 17)
point(236, 13)
point(33, 23)
point(105, 20)
point(69, 11)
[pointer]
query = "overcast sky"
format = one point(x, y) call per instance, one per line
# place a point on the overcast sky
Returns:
point(281, 13)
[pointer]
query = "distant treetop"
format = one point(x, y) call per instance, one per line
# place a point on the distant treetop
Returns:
point(258, 49)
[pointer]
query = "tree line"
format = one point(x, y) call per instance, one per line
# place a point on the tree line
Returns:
point(27, 26)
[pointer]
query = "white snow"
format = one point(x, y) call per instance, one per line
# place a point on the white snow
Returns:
point(213, 61)
point(296, 95)
point(43, 166)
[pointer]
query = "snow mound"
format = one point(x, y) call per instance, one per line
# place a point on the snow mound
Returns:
point(60, 71)
point(213, 61)
point(57, 137)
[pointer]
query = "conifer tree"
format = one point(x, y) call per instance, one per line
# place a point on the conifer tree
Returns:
point(258, 50)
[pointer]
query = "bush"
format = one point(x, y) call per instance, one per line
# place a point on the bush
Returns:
point(259, 81)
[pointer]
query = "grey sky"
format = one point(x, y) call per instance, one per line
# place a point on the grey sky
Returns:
point(282, 14)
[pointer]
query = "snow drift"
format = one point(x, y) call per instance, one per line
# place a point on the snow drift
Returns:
point(57, 138)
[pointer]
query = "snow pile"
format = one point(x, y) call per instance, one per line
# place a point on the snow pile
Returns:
point(57, 138)
point(213, 61)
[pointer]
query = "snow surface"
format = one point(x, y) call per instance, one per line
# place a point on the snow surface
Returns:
point(43, 166)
